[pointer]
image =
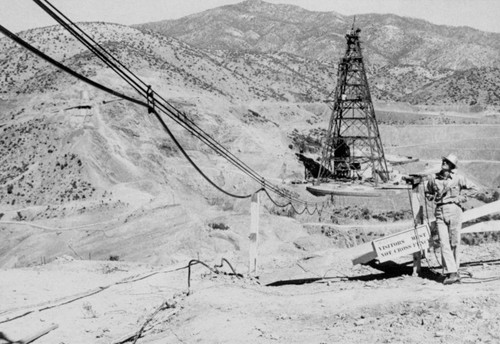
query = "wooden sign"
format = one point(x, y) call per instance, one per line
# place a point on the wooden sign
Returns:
point(366, 252)
point(402, 243)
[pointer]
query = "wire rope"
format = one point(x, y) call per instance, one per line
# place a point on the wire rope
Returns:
point(170, 109)
point(165, 107)
point(108, 90)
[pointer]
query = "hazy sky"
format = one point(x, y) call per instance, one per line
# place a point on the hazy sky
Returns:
point(17, 15)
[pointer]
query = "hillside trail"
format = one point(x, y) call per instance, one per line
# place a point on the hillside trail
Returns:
point(330, 302)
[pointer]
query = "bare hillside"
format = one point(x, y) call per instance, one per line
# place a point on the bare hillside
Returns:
point(388, 39)
point(109, 235)
point(408, 60)
point(73, 156)
point(282, 77)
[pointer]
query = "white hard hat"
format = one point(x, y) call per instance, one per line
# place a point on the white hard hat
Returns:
point(452, 159)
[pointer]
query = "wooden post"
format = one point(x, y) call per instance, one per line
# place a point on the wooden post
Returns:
point(418, 218)
point(38, 334)
point(254, 234)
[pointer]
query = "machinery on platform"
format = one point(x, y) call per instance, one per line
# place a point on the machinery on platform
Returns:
point(352, 151)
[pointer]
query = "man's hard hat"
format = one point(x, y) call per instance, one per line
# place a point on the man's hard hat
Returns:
point(452, 159)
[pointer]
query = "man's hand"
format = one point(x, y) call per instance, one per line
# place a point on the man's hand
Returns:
point(430, 197)
point(462, 199)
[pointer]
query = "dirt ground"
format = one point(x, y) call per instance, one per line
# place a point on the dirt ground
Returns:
point(325, 300)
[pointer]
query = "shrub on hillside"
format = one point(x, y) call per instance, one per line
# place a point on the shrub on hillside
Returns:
point(218, 226)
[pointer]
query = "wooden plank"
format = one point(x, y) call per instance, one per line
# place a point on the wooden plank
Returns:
point(488, 226)
point(38, 335)
point(487, 209)
point(368, 253)
point(418, 218)
point(365, 257)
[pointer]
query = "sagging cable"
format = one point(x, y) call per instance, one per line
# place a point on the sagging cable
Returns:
point(37, 52)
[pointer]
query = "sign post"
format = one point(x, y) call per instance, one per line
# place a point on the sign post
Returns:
point(418, 218)
point(254, 233)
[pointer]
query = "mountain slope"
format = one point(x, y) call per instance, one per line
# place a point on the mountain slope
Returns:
point(405, 58)
point(72, 156)
point(475, 87)
point(66, 142)
point(243, 76)
point(387, 39)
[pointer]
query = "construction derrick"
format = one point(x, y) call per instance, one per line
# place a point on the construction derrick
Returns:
point(352, 147)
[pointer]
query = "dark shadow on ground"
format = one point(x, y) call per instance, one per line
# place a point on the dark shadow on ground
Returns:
point(300, 281)
point(388, 270)
point(391, 269)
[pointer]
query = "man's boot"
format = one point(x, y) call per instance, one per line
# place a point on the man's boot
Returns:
point(452, 278)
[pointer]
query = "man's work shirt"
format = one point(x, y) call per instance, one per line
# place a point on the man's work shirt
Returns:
point(447, 189)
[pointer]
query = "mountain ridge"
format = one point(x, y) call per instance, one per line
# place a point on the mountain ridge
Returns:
point(403, 55)
point(319, 35)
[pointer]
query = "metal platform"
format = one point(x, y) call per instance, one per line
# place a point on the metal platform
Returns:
point(343, 190)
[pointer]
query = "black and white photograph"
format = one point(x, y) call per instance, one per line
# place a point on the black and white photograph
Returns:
point(244, 172)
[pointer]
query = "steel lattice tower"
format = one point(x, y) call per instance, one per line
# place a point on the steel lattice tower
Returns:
point(353, 145)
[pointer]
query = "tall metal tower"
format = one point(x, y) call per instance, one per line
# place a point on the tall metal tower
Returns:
point(353, 147)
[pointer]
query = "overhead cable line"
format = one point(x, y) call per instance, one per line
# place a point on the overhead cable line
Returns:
point(37, 52)
point(133, 80)
point(178, 116)
point(59, 65)
point(106, 57)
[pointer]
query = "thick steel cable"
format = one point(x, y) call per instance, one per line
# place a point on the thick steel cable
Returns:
point(276, 203)
point(311, 213)
point(291, 205)
point(170, 109)
point(103, 54)
point(117, 94)
point(90, 45)
point(91, 39)
point(214, 269)
point(106, 57)
point(192, 162)
point(207, 140)
point(298, 212)
point(59, 65)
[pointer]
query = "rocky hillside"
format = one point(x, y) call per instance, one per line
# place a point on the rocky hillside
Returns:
point(73, 156)
point(89, 170)
point(65, 142)
point(388, 39)
point(276, 76)
point(475, 87)
point(405, 57)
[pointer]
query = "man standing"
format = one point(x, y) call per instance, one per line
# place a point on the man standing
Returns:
point(444, 188)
